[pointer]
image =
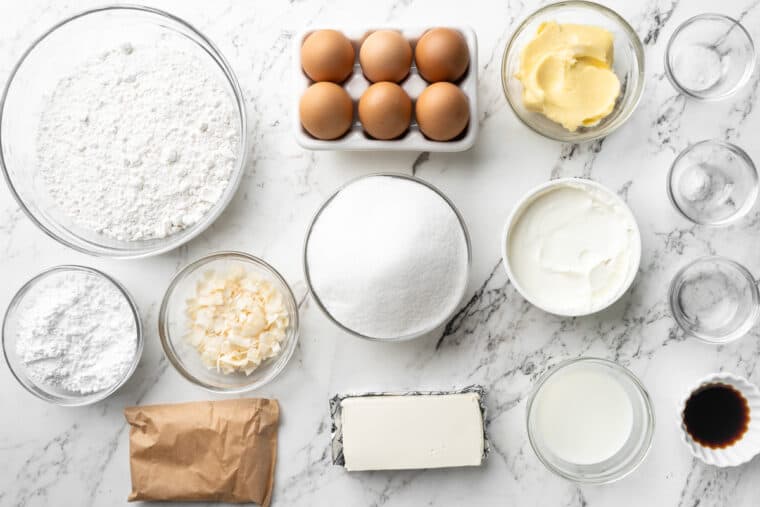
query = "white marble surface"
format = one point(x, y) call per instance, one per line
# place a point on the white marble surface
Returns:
point(57, 456)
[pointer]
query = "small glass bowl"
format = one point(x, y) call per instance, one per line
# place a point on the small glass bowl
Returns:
point(634, 450)
point(714, 299)
point(628, 65)
point(56, 54)
point(709, 57)
point(15, 364)
point(713, 183)
point(321, 305)
point(172, 325)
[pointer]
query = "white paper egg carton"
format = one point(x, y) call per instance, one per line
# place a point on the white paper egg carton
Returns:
point(413, 140)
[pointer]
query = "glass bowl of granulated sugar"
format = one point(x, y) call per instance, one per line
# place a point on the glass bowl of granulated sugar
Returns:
point(72, 336)
point(122, 132)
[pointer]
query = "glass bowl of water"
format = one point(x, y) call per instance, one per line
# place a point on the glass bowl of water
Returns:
point(714, 299)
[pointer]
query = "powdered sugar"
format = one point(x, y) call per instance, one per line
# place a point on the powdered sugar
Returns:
point(139, 143)
point(76, 331)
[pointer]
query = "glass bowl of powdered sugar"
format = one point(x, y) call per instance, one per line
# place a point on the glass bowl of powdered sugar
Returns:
point(72, 335)
point(122, 132)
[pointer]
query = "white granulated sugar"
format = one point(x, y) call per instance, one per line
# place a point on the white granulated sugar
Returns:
point(139, 142)
point(76, 332)
point(388, 257)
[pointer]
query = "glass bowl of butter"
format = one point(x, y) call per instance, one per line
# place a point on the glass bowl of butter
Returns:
point(228, 322)
point(573, 71)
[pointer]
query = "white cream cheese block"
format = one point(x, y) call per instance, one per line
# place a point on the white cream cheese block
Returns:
point(412, 431)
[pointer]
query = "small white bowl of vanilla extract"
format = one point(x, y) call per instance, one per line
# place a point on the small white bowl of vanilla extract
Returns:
point(720, 420)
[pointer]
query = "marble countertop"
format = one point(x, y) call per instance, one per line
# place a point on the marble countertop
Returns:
point(57, 456)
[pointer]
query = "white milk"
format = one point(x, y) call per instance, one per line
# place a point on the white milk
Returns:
point(583, 415)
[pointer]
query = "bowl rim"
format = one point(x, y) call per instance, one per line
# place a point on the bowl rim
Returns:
point(587, 135)
point(213, 214)
point(324, 205)
point(165, 334)
point(89, 399)
point(746, 326)
point(748, 70)
point(641, 389)
point(519, 208)
point(736, 150)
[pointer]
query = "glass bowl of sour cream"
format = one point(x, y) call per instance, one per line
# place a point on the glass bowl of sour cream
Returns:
point(624, 58)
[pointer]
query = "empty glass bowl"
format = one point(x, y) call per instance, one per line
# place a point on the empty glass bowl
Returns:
point(714, 299)
point(713, 183)
point(628, 66)
point(172, 325)
point(629, 390)
point(709, 57)
point(57, 395)
point(57, 54)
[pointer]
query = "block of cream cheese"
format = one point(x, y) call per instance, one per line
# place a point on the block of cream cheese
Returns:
point(412, 431)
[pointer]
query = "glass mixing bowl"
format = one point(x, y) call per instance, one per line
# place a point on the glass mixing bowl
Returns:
point(16, 365)
point(713, 183)
point(628, 65)
point(714, 299)
point(636, 446)
point(710, 57)
point(308, 271)
point(172, 325)
point(56, 54)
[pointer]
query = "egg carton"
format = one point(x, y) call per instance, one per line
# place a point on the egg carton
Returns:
point(413, 140)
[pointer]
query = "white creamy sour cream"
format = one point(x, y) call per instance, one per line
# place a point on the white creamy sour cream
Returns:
point(573, 249)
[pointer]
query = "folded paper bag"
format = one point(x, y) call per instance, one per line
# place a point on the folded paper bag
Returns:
point(222, 451)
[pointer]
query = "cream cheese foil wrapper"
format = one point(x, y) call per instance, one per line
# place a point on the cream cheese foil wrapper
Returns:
point(336, 416)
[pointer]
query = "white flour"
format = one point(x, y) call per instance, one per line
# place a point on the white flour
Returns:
point(77, 332)
point(388, 257)
point(139, 143)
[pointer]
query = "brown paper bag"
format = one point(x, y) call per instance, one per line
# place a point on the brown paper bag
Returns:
point(208, 451)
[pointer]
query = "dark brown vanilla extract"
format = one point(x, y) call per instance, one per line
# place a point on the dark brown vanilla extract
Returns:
point(716, 415)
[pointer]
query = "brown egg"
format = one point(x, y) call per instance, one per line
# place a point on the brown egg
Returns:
point(385, 110)
point(442, 111)
point(326, 110)
point(385, 56)
point(442, 55)
point(327, 55)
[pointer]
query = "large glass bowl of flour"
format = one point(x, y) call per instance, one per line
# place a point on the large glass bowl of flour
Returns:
point(122, 132)
point(387, 257)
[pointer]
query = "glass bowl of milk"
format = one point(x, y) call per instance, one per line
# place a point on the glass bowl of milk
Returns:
point(590, 420)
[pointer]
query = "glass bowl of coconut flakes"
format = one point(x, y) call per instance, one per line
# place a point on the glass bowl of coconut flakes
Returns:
point(229, 322)
point(122, 132)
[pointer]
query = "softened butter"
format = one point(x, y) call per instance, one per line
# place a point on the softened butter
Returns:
point(566, 73)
